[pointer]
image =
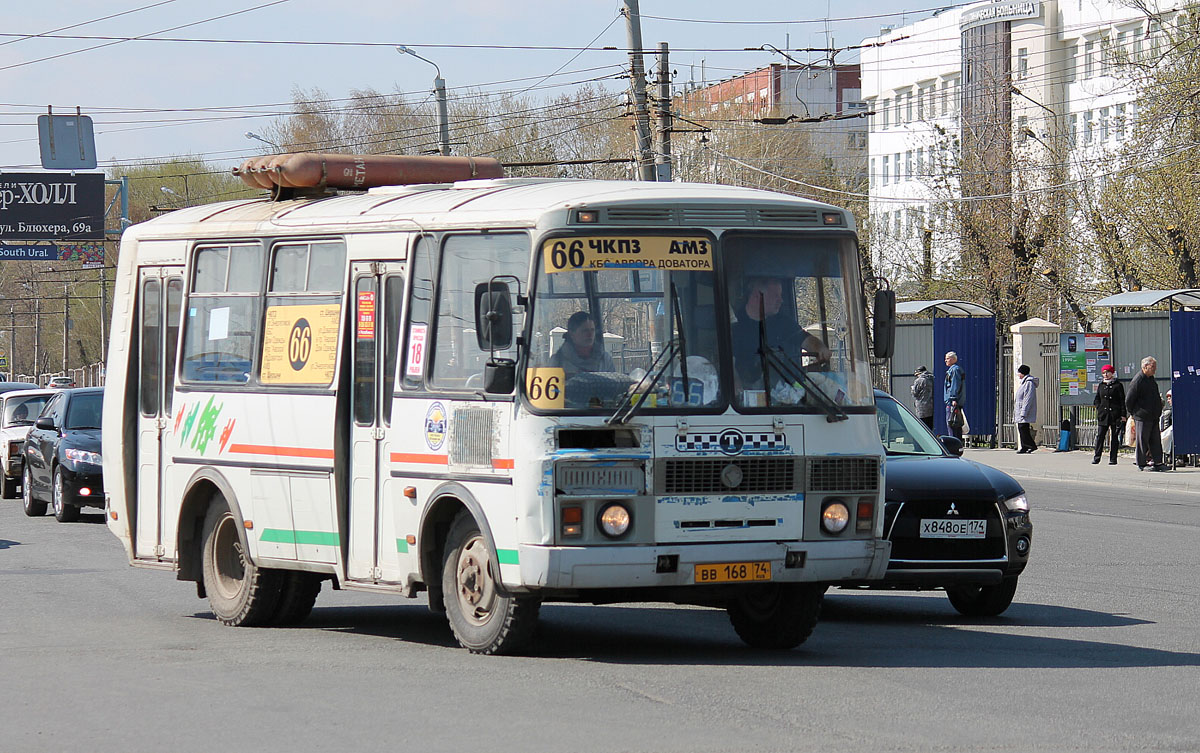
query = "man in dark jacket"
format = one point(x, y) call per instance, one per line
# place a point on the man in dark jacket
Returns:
point(1110, 413)
point(1145, 405)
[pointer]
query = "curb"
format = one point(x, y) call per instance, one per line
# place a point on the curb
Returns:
point(1180, 480)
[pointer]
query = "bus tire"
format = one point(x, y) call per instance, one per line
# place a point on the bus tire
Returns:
point(482, 618)
point(33, 508)
point(776, 615)
point(297, 596)
point(983, 601)
point(240, 593)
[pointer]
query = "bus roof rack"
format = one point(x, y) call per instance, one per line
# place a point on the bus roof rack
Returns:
point(304, 173)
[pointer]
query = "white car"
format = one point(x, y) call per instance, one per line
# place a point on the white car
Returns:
point(17, 412)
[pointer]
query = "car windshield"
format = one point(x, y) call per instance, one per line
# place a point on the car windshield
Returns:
point(21, 411)
point(624, 323)
point(796, 323)
point(902, 433)
point(84, 411)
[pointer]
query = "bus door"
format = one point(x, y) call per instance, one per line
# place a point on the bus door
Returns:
point(160, 294)
point(378, 296)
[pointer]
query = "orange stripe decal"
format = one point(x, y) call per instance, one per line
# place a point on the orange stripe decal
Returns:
point(501, 464)
point(413, 457)
point(291, 452)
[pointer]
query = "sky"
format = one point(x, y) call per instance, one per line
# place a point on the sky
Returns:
point(199, 74)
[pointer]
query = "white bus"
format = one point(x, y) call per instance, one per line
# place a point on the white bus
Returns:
point(500, 392)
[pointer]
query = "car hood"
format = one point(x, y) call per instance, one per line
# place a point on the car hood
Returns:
point(81, 439)
point(14, 432)
point(937, 478)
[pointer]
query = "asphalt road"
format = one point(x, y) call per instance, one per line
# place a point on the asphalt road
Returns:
point(1101, 651)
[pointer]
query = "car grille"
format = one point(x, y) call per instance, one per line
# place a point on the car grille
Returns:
point(905, 532)
point(703, 475)
point(843, 474)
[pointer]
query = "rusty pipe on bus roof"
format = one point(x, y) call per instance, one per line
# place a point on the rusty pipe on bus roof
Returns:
point(309, 170)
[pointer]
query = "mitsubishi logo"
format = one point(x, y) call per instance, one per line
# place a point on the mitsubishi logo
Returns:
point(952, 510)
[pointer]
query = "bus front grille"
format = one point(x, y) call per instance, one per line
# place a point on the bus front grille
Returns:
point(838, 474)
point(758, 475)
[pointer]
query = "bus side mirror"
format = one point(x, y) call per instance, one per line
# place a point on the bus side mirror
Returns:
point(885, 323)
point(493, 316)
point(500, 376)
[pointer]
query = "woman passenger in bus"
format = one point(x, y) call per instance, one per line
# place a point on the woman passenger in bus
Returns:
point(580, 351)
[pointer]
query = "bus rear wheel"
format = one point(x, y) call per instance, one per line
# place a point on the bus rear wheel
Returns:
point(776, 615)
point(297, 596)
point(483, 618)
point(240, 593)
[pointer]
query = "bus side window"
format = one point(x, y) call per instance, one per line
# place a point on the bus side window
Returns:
point(222, 314)
point(303, 313)
point(468, 260)
point(420, 302)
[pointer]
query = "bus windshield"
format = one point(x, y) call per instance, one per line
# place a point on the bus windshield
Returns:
point(795, 323)
point(621, 321)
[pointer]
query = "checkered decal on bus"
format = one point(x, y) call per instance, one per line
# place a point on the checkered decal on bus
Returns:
point(712, 442)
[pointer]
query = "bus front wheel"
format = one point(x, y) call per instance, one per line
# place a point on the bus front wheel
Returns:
point(483, 618)
point(240, 593)
point(776, 615)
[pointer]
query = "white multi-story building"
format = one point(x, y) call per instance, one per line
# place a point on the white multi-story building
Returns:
point(993, 99)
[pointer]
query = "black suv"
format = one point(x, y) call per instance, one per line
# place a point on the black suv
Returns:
point(62, 455)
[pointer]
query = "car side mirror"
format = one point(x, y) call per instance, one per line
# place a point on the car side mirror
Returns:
point(500, 376)
point(885, 323)
point(493, 315)
point(953, 445)
point(45, 422)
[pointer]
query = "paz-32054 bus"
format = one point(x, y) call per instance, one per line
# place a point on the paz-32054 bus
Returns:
point(500, 392)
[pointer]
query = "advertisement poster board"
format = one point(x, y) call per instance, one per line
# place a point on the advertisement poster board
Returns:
point(1080, 357)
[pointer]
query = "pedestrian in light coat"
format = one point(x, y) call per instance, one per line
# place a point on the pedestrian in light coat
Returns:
point(1025, 410)
point(1145, 405)
point(1110, 413)
point(922, 392)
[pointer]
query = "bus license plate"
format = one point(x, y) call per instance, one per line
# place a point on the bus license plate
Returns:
point(733, 572)
point(953, 529)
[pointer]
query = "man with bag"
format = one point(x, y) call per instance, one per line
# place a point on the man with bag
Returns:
point(954, 393)
point(1145, 406)
point(1110, 412)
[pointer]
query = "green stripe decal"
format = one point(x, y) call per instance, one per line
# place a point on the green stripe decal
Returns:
point(402, 546)
point(508, 556)
point(284, 536)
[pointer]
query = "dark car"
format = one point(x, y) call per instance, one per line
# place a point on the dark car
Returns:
point(953, 523)
point(62, 455)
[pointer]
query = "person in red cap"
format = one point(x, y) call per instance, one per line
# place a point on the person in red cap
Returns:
point(1110, 412)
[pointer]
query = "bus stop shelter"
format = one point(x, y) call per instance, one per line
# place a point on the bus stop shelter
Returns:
point(1164, 324)
point(925, 332)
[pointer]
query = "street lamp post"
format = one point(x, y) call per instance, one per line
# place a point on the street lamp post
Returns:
point(439, 91)
point(255, 137)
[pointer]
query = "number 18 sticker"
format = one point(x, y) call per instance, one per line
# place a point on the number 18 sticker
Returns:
point(544, 387)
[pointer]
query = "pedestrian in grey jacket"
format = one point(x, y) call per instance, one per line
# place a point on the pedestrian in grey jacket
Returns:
point(922, 392)
point(1025, 410)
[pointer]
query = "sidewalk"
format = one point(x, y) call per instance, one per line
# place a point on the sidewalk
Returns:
point(1077, 466)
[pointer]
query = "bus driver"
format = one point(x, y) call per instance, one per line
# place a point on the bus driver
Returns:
point(579, 351)
point(764, 299)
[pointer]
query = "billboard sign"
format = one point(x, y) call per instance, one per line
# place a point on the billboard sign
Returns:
point(1080, 358)
point(91, 254)
point(51, 206)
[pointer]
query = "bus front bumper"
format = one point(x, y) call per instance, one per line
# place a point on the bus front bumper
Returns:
point(642, 566)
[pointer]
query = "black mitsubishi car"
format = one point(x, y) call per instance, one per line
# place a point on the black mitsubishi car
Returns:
point(62, 455)
point(953, 523)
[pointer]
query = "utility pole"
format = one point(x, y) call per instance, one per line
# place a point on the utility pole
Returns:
point(439, 91)
point(66, 323)
point(637, 71)
point(662, 160)
point(37, 334)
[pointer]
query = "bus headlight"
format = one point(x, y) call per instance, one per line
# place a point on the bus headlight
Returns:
point(615, 520)
point(835, 516)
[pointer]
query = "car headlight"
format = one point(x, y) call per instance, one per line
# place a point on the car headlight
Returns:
point(83, 456)
point(615, 520)
point(835, 516)
point(1019, 503)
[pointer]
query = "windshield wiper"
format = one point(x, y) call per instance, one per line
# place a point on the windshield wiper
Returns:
point(677, 310)
point(794, 372)
point(627, 407)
